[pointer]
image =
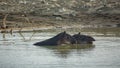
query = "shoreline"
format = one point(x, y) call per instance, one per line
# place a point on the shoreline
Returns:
point(59, 28)
point(18, 23)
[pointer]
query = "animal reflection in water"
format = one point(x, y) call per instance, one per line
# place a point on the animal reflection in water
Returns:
point(66, 50)
point(64, 38)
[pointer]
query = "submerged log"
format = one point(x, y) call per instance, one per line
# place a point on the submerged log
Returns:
point(4, 22)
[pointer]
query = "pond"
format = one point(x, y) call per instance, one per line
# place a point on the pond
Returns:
point(17, 51)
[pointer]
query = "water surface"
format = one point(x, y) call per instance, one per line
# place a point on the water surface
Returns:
point(17, 51)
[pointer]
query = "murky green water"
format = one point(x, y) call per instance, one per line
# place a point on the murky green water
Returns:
point(17, 51)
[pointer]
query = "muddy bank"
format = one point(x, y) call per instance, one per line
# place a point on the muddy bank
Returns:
point(19, 21)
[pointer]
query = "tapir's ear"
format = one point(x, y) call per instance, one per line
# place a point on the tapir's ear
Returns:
point(79, 33)
point(64, 32)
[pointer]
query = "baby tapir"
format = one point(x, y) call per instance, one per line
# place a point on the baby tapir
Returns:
point(83, 39)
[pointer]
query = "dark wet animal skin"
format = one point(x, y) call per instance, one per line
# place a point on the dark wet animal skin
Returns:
point(60, 39)
point(83, 39)
point(64, 38)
